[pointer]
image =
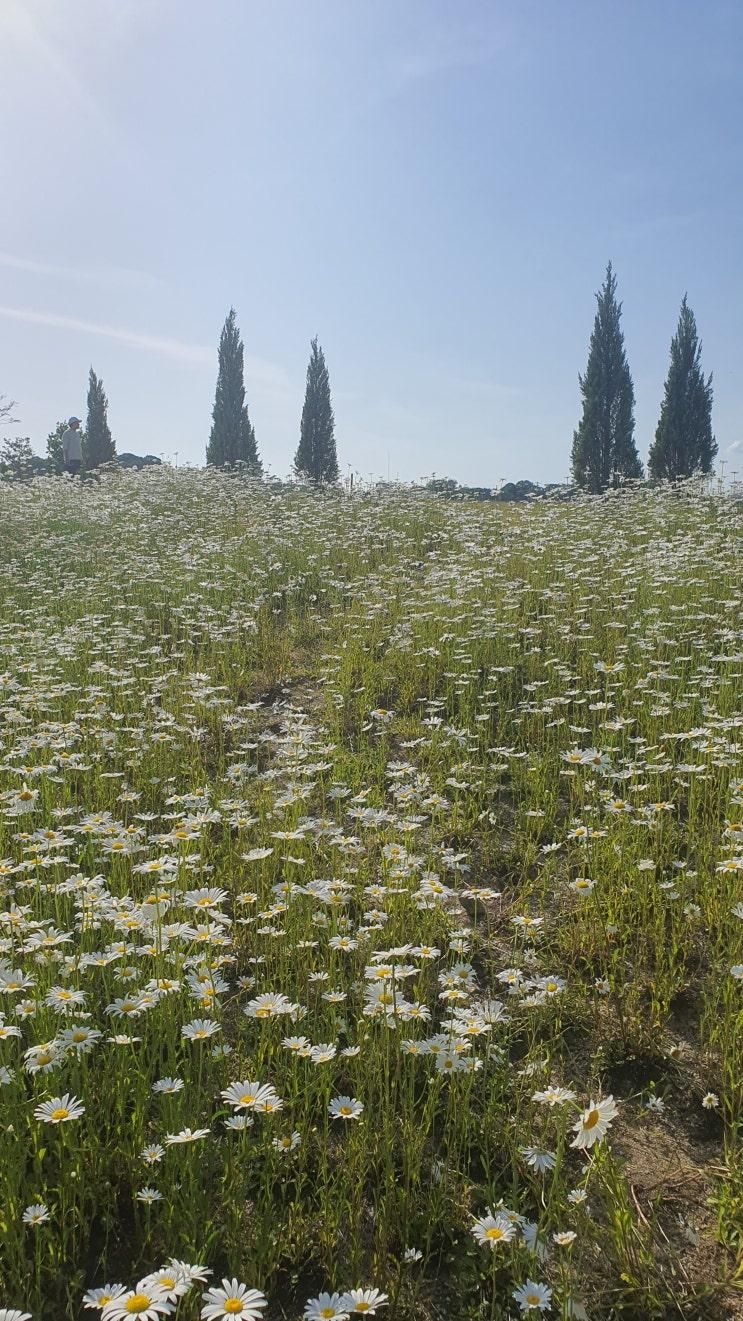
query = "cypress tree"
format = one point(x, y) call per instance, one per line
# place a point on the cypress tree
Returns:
point(98, 444)
point(232, 438)
point(684, 443)
point(316, 457)
point(603, 445)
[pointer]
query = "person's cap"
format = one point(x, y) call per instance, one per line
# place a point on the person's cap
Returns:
point(73, 419)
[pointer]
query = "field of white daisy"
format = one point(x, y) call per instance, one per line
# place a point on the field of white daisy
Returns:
point(371, 903)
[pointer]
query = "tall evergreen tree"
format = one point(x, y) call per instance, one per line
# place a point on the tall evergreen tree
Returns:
point(232, 438)
point(98, 444)
point(316, 456)
point(603, 445)
point(684, 443)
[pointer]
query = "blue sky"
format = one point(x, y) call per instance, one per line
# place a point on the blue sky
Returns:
point(432, 188)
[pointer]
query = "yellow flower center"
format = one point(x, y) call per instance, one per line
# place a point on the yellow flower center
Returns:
point(533, 1299)
point(61, 1112)
point(233, 1306)
point(327, 1312)
point(494, 1232)
point(139, 1302)
point(591, 1119)
point(247, 1098)
point(345, 1110)
point(79, 1036)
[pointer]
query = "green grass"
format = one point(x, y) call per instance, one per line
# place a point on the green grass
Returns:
point(438, 717)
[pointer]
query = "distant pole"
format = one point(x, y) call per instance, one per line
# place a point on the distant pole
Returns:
point(176, 457)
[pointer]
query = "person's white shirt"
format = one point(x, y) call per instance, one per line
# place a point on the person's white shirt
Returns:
point(72, 449)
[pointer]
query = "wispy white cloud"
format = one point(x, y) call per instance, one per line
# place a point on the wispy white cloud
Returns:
point(195, 354)
point(442, 53)
point(92, 274)
point(20, 25)
point(268, 376)
point(736, 445)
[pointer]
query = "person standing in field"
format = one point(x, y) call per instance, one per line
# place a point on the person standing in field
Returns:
point(72, 452)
